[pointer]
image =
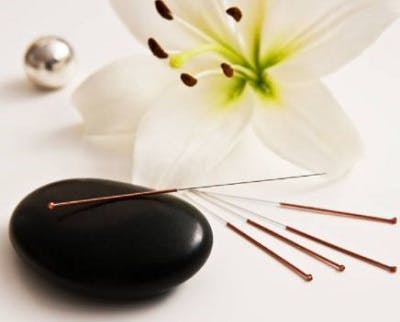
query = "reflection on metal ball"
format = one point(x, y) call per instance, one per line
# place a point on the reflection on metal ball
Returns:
point(50, 62)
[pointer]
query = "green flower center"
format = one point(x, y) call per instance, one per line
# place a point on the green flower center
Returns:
point(251, 72)
point(234, 64)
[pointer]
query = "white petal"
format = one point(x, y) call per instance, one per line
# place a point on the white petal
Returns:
point(307, 127)
point(207, 15)
point(203, 17)
point(114, 99)
point(189, 132)
point(317, 37)
point(144, 22)
point(250, 26)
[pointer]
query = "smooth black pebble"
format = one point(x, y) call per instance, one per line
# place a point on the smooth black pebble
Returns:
point(124, 249)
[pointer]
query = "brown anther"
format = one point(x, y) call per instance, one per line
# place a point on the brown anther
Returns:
point(228, 70)
point(235, 13)
point(163, 10)
point(188, 80)
point(156, 49)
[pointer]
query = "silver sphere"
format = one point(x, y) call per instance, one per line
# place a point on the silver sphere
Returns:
point(50, 62)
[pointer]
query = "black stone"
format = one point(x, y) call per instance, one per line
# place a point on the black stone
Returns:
point(123, 249)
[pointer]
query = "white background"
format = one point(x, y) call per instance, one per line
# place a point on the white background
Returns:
point(41, 141)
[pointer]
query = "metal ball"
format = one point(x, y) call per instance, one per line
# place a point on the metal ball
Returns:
point(50, 62)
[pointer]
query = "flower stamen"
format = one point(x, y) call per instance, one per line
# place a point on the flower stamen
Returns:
point(156, 49)
point(227, 70)
point(207, 36)
point(189, 80)
point(235, 13)
point(192, 80)
point(163, 10)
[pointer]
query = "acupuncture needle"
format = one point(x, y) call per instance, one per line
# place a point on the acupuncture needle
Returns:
point(254, 242)
point(391, 269)
point(272, 233)
point(311, 209)
point(52, 204)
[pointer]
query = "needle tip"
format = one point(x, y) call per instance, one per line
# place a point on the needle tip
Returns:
point(394, 220)
point(393, 269)
point(341, 268)
point(51, 205)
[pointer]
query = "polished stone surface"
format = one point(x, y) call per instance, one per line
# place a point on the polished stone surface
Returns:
point(121, 249)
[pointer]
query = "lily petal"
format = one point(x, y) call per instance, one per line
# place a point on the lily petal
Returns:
point(189, 131)
point(207, 15)
point(114, 99)
point(144, 22)
point(249, 28)
point(307, 39)
point(201, 18)
point(307, 127)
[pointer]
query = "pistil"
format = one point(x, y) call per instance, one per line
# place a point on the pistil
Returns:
point(181, 58)
point(178, 60)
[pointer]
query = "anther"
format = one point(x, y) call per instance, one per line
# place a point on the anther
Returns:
point(235, 13)
point(188, 80)
point(156, 49)
point(163, 10)
point(228, 70)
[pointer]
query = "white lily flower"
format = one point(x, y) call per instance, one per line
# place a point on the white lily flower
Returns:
point(241, 63)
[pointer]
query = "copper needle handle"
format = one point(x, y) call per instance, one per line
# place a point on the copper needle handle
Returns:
point(303, 249)
point(338, 213)
point(391, 269)
point(284, 262)
point(296, 270)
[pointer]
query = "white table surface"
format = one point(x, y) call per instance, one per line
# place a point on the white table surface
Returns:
point(41, 141)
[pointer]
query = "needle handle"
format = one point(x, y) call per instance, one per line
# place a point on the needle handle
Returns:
point(391, 269)
point(293, 268)
point(392, 221)
point(53, 205)
point(303, 249)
